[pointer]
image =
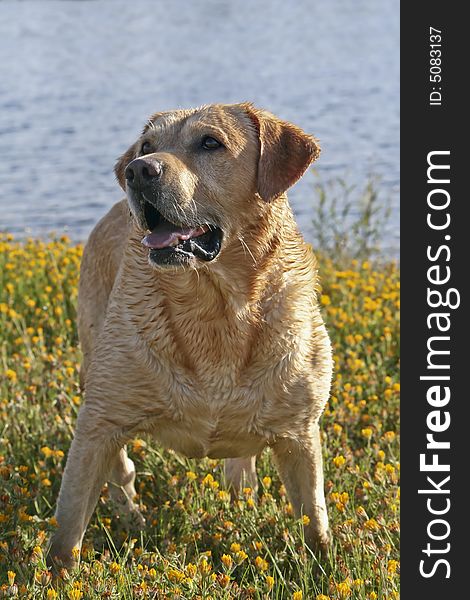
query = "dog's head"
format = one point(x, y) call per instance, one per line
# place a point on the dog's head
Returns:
point(197, 179)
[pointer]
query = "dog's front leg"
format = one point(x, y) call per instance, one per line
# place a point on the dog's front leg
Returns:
point(122, 490)
point(300, 465)
point(240, 472)
point(92, 454)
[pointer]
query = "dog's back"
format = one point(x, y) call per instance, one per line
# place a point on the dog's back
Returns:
point(100, 263)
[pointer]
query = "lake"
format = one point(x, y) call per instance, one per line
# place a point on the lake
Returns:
point(78, 78)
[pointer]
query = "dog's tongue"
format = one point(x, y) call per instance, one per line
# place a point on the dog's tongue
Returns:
point(166, 234)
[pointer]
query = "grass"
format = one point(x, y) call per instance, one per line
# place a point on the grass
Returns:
point(197, 544)
point(350, 222)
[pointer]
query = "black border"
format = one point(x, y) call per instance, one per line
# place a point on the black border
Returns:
point(426, 128)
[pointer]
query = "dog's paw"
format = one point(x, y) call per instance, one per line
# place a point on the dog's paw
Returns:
point(135, 519)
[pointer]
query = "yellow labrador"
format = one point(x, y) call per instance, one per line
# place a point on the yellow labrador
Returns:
point(198, 315)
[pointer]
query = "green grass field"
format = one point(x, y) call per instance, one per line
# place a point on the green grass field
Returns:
point(197, 543)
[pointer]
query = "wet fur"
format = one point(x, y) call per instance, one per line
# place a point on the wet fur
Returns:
point(219, 359)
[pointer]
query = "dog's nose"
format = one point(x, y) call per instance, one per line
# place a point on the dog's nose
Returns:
point(142, 172)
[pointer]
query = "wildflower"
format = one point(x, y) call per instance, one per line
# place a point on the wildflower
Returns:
point(191, 475)
point(11, 577)
point(297, 595)
point(235, 547)
point(269, 582)
point(339, 461)
point(372, 525)
point(11, 375)
point(392, 566)
point(114, 568)
point(389, 436)
point(305, 520)
point(267, 482)
point(223, 579)
point(366, 432)
point(204, 567)
point(191, 570)
point(51, 594)
point(261, 564)
point(175, 575)
point(240, 556)
point(343, 589)
point(75, 594)
point(227, 560)
point(47, 451)
point(208, 479)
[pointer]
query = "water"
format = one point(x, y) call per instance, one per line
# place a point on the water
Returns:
point(79, 78)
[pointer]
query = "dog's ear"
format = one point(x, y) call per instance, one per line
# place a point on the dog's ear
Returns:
point(121, 165)
point(285, 152)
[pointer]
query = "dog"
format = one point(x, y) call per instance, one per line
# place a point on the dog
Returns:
point(198, 316)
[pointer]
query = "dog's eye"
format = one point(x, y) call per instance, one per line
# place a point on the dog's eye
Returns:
point(210, 143)
point(146, 148)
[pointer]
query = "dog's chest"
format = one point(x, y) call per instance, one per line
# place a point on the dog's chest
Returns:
point(218, 416)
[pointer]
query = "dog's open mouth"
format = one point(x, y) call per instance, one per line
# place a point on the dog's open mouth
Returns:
point(175, 244)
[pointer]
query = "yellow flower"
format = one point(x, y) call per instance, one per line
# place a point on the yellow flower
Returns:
point(325, 300)
point(11, 577)
point(51, 594)
point(343, 589)
point(269, 582)
point(75, 594)
point(191, 476)
point(114, 568)
point(47, 451)
point(227, 560)
point(191, 570)
point(372, 525)
point(322, 597)
point(367, 432)
point(11, 375)
point(392, 566)
point(240, 556)
point(261, 564)
point(208, 480)
point(205, 567)
point(305, 520)
point(175, 576)
point(235, 547)
point(297, 595)
point(339, 460)
point(267, 482)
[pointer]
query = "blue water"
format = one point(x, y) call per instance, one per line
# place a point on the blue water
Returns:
point(78, 79)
